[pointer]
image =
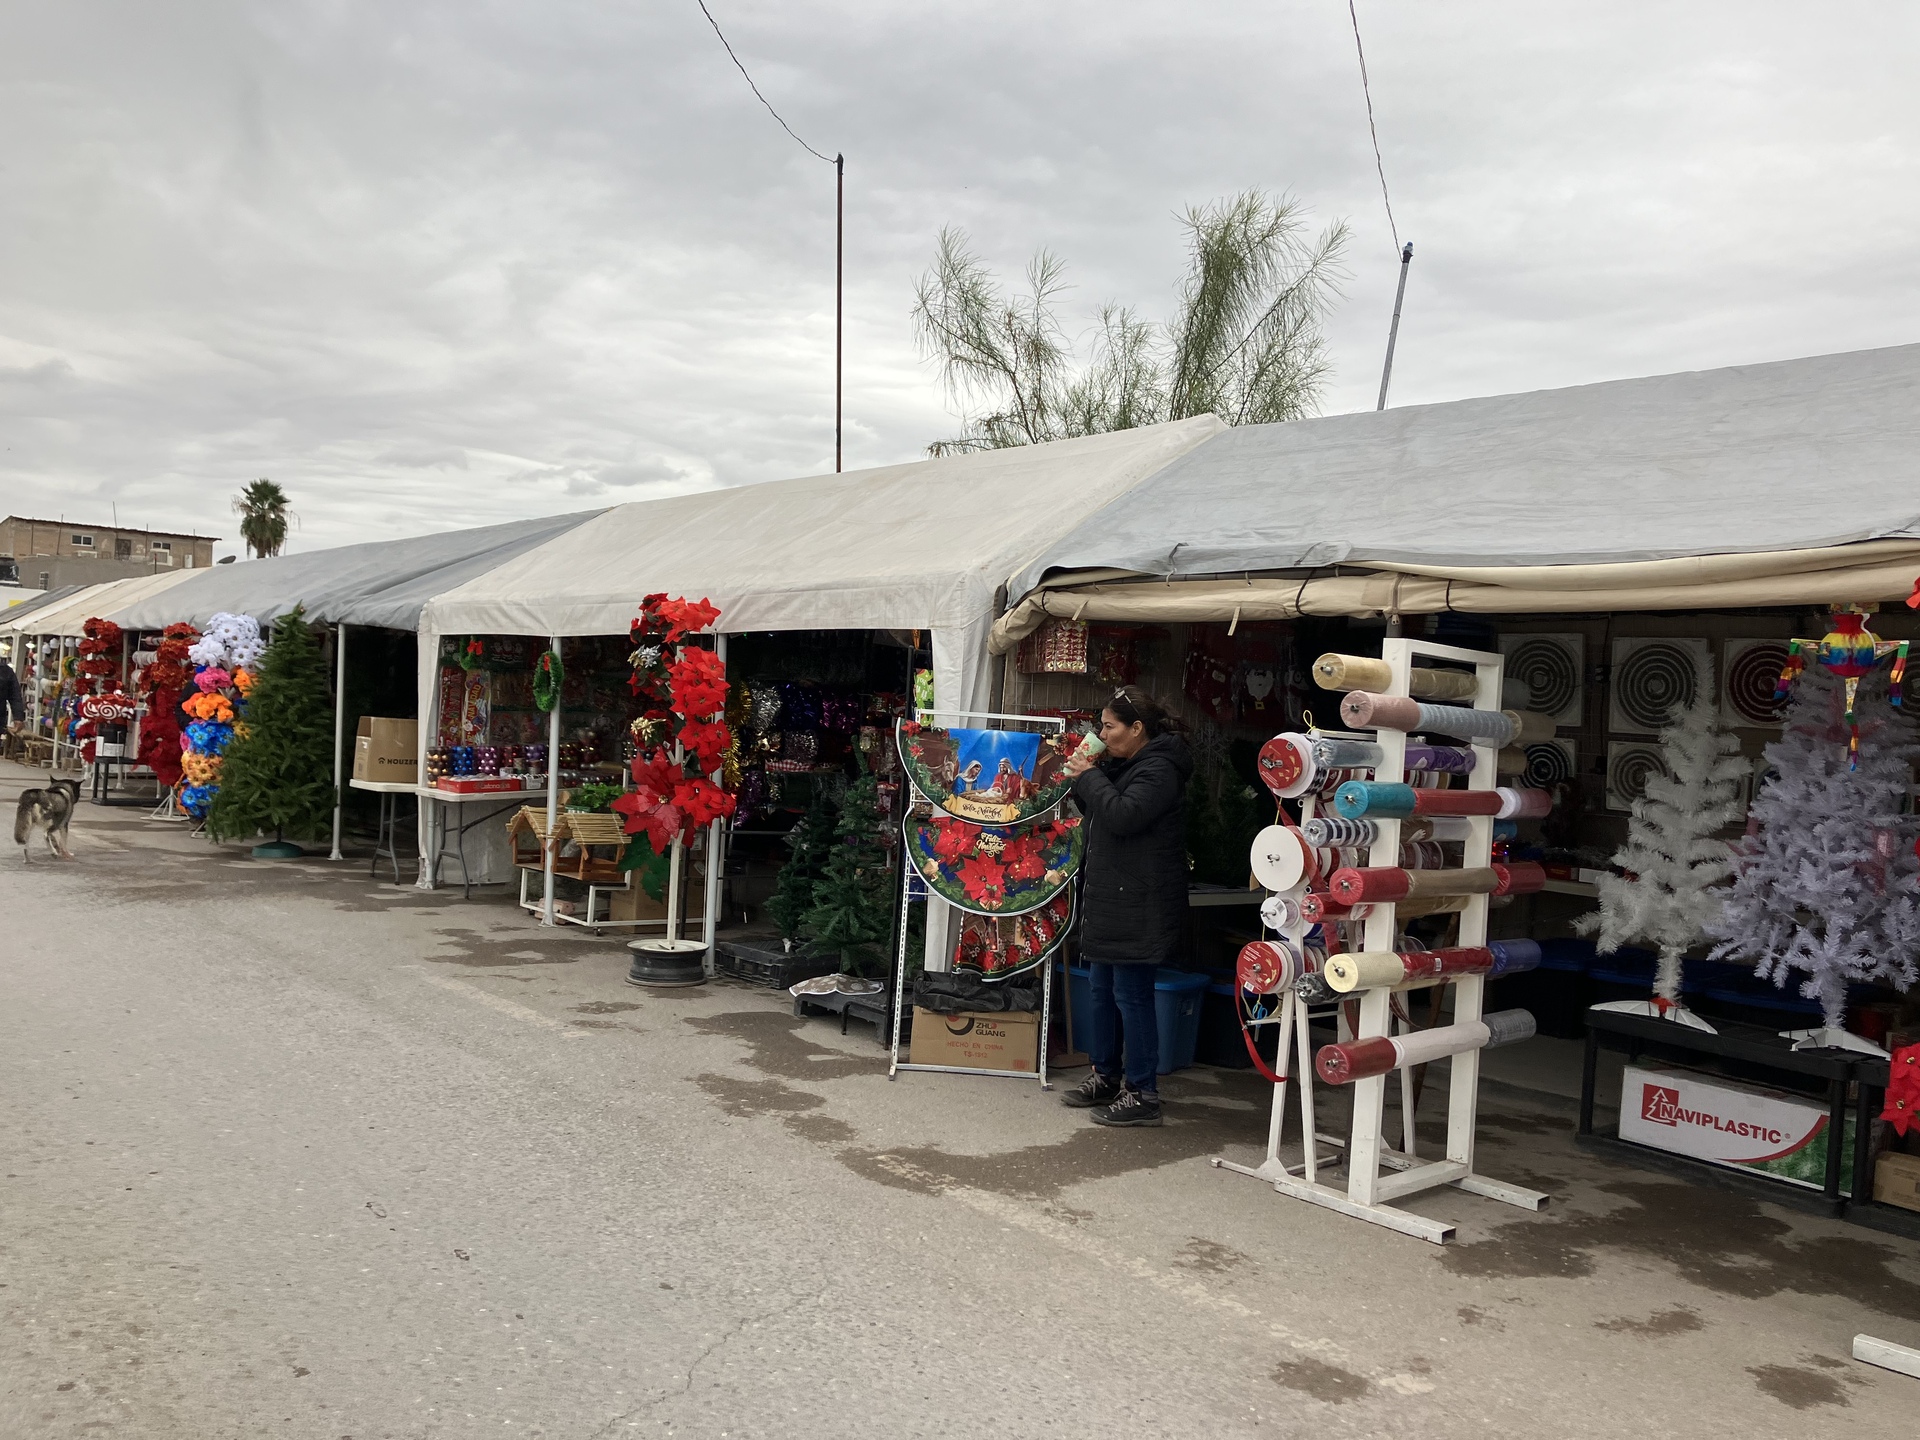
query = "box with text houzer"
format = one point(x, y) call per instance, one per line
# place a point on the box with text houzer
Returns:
point(1726, 1122)
point(387, 750)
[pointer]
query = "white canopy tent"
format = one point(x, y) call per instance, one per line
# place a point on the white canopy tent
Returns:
point(381, 582)
point(928, 545)
point(1786, 483)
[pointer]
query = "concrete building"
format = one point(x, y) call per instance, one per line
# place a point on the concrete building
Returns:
point(46, 554)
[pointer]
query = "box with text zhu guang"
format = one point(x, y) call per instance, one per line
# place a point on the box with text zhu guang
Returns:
point(387, 750)
point(1725, 1122)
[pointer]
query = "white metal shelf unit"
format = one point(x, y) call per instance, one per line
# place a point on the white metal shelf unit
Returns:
point(1377, 1173)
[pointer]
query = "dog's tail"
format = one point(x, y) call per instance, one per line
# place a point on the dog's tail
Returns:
point(25, 817)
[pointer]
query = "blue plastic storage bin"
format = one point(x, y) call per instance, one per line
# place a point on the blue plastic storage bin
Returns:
point(1177, 998)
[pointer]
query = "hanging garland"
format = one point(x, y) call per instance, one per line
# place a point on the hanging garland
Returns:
point(548, 676)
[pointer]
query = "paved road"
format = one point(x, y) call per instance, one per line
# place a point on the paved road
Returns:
point(291, 1153)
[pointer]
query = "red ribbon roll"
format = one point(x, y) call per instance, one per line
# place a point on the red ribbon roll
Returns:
point(1523, 877)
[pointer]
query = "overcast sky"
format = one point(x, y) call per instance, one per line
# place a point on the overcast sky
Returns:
point(436, 264)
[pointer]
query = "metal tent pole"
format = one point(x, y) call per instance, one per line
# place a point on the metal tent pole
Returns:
point(339, 727)
point(716, 854)
point(553, 791)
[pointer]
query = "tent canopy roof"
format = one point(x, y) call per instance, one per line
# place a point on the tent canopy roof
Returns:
point(1794, 455)
point(36, 601)
point(69, 616)
point(917, 545)
point(383, 582)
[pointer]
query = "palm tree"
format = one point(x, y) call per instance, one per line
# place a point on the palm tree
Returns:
point(1244, 344)
point(263, 512)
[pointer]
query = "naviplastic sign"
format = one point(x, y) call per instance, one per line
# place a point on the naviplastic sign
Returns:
point(1723, 1121)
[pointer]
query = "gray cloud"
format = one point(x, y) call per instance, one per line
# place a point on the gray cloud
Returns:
point(442, 264)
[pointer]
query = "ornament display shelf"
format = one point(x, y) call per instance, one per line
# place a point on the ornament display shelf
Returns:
point(1758, 1054)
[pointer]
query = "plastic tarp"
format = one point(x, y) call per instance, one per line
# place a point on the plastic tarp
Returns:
point(33, 602)
point(382, 582)
point(926, 545)
point(1753, 485)
point(69, 616)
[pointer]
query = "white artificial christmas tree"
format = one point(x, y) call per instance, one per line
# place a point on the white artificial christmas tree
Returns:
point(1676, 867)
point(1825, 884)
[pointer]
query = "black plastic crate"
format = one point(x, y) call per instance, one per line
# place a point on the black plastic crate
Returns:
point(776, 969)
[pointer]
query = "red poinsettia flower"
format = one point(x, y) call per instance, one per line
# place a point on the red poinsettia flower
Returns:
point(706, 741)
point(952, 842)
point(647, 815)
point(703, 802)
point(699, 683)
point(683, 616)
point(983, 880)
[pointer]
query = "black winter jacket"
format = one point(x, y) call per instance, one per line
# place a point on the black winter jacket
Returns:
point(1133, 879)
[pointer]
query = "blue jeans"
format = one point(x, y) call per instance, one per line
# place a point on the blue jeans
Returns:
point(1122, 998)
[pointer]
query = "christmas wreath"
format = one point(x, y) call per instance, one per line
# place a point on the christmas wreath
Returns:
point(548, 676)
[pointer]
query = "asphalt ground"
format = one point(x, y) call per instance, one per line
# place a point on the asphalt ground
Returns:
point(292, 1152)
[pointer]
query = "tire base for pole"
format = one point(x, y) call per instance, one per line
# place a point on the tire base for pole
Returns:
point(278, 850)
point(667, 962)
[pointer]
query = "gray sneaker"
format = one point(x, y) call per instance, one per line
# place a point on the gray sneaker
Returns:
point(1096, 1089)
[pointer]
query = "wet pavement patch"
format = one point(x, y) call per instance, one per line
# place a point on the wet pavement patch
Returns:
point(606, 1007)
point(1041, 1172)
point(1677, 1321)
point(756, 1097)
point(1719, 1240)
point(778, 1046)
point(1210, 1257)
point(1320, 1380)
point(511, 947)
point(1797, 1386)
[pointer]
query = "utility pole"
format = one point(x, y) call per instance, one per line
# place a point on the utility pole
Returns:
point(1393, 332)
point(839, 291)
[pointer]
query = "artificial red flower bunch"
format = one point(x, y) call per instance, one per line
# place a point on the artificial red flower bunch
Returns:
point(99, 645)
point(169, 670)
point(684, 689)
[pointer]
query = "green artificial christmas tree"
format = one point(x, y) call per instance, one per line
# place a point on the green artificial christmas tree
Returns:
point(807, 844)
point(852, 911)
point(278, 773)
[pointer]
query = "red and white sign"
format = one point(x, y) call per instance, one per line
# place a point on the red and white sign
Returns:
point(1715, 1119)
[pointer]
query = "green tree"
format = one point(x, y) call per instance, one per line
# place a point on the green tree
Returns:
point(807, 845)
point(852, 910)
point(1245, 342)
point(263, 512)
point(278, 774)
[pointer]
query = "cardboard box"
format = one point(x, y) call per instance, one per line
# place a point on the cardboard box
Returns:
point(479, 784)
point(1896, 1180)
point(387, 750)
point(1727, 1122)
point(1007, 1040)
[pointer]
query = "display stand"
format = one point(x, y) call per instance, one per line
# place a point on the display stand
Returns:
point(1379, 1173)
point(908, 878)
point(1742, 1050)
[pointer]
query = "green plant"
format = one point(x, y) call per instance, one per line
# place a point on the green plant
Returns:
point(807, 846)
point(278, 773)
point(852, 910)
point(1245, 343)
point(594, 797)
point(263, 511)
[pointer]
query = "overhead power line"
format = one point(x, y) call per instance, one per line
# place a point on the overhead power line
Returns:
point(839, 163)
point(755, 88)
point(1365, 89)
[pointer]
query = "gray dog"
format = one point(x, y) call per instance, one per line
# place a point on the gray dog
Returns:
point(50, 810)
